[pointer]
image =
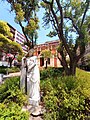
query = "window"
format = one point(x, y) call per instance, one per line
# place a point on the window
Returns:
point(48, 60)
point(38, 52)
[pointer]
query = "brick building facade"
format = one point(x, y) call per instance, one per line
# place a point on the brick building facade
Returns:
point(52, 61)
point(18, 37)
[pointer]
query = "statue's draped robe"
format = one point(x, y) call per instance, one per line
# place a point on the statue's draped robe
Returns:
point(33, 81)
point(23, 75)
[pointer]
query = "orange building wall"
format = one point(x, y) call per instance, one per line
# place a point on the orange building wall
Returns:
point(52, 46)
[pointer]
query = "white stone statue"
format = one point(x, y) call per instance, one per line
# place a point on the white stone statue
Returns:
point(33, 81)
point(23, 75)
point(33, 78)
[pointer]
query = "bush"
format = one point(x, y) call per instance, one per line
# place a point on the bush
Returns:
point(9, 91)
point(13, 70)
point(12, 111)
point(51, 72)
point(4, 70)
point(67, 98)
point(12, 100)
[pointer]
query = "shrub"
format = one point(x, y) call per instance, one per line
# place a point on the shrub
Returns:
point(67, 98)
point(50, 100)
point(12, 100)
point(9, 91)
point(50, 72)
point(4, 70)
point(13, 70)
point(12, 111)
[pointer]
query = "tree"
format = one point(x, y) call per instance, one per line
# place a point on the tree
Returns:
point(15, 49)
point(7, 45)
point(69, 20)
point(46, 54)
point(4, 34)
point(25, 16)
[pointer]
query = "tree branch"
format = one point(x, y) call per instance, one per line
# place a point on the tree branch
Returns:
point(63, 61)
point(67, 17)
point(82, 51)
point(54, 23)
point(87, 1)
point(47, 2)
point(54, 15)
point(61, 14)
point(23, 31)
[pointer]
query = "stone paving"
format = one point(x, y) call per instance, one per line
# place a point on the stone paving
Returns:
point(35, 114)
point(35, 118)
point(12, 74)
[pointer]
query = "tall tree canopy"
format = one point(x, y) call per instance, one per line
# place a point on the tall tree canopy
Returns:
point(69, 20)
point(25, 16)
point(7, 45)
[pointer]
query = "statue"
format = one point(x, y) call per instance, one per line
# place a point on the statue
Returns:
point(23, 75)
point(31, 71)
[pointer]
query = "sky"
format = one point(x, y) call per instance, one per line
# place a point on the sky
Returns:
point(7, 16)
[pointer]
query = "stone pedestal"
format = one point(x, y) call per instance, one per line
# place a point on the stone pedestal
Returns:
point(34, 111)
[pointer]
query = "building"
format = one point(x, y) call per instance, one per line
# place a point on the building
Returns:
point(18, 37)
point(52, 46)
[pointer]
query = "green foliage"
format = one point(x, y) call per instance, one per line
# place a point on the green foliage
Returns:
point(5, 43)
point(51, 73)
point(69, 20)
point(66, 98)
point(4, 29)
point(19, 57)
point(15, 47)
point(4, 70)
point(25, 16)
point(84, 82)
point(19, 12)
point(52, 34)
point(4, 39)
point(31, 30)
point(32, 26)
point(46, 53)
point(13, 70)
point(12, 100)
point(9, 91)
point(12, 111)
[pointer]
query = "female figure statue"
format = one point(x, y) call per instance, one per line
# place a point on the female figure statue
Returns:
point(33, 79)
point(23, 75)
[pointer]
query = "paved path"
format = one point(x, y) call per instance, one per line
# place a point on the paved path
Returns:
point(3, 77)
point(35, 118)
point(35, 114)
point(12, 75)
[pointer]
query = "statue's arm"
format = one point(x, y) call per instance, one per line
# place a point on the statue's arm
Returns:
point(31, 66)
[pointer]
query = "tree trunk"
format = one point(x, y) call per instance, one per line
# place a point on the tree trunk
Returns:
point(10, 61)
point(73, 67)
point(71, 70)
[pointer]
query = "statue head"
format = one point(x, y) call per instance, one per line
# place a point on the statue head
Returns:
point(30, 53)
